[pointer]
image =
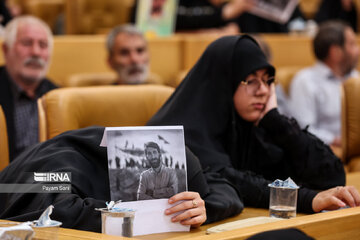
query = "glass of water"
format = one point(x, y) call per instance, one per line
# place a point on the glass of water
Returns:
point(283, 202)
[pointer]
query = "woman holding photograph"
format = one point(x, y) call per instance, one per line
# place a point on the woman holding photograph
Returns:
point(78, 152)
point(227, 106)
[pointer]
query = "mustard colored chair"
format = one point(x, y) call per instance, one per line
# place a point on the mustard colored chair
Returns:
point(92, 16)
point(284, 76)
point(72, 108)
point(102, 78)
point(4, 146)
point(351, 124)
point(180, 77)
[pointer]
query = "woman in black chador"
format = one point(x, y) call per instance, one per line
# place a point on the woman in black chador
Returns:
point(227, 106)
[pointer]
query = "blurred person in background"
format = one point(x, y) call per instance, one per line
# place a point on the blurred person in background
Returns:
point(27, 51)
point(223, 17)
point(338, 9)
point(5, 15)
point(315, 93)
point(128, 55)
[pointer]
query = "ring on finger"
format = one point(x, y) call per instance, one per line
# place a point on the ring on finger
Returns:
point(194, 203)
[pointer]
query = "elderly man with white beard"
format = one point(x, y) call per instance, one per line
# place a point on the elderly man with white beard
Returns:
point(128, 55)
point(27, 51)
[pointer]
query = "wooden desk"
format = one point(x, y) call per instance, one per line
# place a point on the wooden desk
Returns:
point(69, 234)
point(341, 224)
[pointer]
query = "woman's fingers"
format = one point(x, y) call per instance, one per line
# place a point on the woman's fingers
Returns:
point(344, 194)
point(188, 204)
point(335, 198)
point(193, 217)
point(184, 196)
point(355, 194)
point(195, 221)
point(191, 211)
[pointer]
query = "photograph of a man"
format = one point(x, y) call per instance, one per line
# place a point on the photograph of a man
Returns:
point(158, 181)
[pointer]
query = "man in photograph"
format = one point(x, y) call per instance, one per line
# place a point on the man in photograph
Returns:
point(158, 181)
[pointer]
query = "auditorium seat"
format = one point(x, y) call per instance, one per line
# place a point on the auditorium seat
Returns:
point(102, 78)
point(47, 10)
point(351, 124)
point(284, 76)
point(66, 109)
point(4, 146)
point(91, 16)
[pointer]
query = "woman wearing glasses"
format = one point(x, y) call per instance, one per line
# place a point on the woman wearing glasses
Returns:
point(227, 106)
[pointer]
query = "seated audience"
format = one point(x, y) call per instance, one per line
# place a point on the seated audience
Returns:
point(315, 93)
point(345, 10)
point(227, 105)
point(27, 51)
point(231, 124)
point(128, 56)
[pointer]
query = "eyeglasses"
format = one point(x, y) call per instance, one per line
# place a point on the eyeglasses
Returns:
point(252, 85)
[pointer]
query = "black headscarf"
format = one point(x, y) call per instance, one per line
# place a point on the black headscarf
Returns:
point(203, 103)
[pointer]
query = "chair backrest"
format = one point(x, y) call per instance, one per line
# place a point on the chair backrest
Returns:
point(351, 124)
point(66, 109)
point(91, 79)
point(4, 146)
point(90, 16)
point(284, 76)
point(102, 78)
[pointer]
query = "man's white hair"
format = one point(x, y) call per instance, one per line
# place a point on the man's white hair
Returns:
point(12, 27)
point(129, 29)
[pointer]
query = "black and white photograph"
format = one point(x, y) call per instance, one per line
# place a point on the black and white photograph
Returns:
point(146, 162)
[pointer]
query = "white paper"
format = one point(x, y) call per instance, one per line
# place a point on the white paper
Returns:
point(103, 142)
point(18, 232)
point(126, 144)
point(149, 218)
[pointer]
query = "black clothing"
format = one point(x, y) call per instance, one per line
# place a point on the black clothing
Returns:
point(332, 9)
point(250, 23)
point(79, 152)
point(4, 13)
point(282, 234)
point(236, 149)
point(198, 14)
point(194, 15)
point(7, 103)
point(201, 14)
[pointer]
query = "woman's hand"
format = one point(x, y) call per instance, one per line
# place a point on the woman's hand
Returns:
point(335, 198)
point(271, 103)
point(235, 8)
point(193, 206)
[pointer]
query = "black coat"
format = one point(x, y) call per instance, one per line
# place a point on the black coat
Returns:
point(79, 152)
